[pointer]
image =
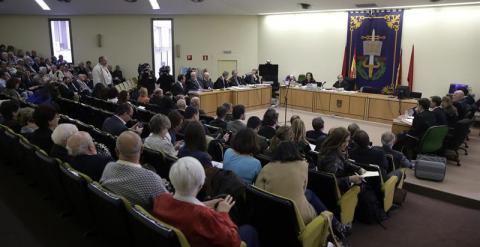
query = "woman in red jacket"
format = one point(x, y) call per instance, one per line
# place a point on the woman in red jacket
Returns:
point(203, 223)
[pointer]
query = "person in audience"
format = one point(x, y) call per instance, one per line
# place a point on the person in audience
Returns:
point(423, 120)
point(222, 81)
point(388, 140)
point(207, 81)
point(83, 84)
point(299, 136)
point(127, 177)
point(9, 110)
point(176, 120)
point(269, 123)
point(67, 89)
point(195, 102)
point(157, 97)
point(165, 79)
point(451, 113)
point(178, 88)
point(46, 118)
point(59, 138)
point(229, 108)
point(293, 118)
point(195, 144)
point(235, 80)
point(238, 115)
point(203, 223)
point(284, 133)
point(220, 120)
point(11, 89)
point(117, 75)
point(100, 72)
point(117, 123)
point(158, 140)
point(239, 158)
point(25, 120)
point(332, 158)
point(99, 91)
point(287, 175)
point(435, 107)
point(317, 133)
point(192, 83)
point(123, 97)
point(143, 96)
point(84, 157)
point(458, 99)
point(352, 129)
point(181, 104)
point(254, 124)
point(4, 77)
point(112, 95)
point(308, 79)
point(191, 114)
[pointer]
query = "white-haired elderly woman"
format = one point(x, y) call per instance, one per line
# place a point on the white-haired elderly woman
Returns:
point(59, 137)
point(388, 140)
point(158, 139)
point(203, 223)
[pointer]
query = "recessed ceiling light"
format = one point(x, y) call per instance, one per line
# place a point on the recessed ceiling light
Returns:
point(42, 4)
point(154, 4)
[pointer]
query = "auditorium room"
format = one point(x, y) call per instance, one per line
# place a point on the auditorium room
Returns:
point(259, 123)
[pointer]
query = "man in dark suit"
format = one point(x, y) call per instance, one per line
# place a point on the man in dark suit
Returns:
point(193, 84)
point(117, 123)
point(67, 89)
point(252, 78)
point(343, 83)
point(165, 80)
point(206, 82)
point(458, 99)
point(220, 120)
point(440, 116)
point(221, 81)
point(423, 120)
point(317, 133)
point(84, 157)
point(179, 86)
point(235, 80)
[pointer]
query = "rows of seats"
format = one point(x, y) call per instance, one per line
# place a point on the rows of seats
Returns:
point(127, 85)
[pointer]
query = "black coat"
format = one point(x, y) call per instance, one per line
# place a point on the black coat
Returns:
point(220, 83)
point(42, 137)
point(193, 85)
point(440, 116)
point(166, 81)
point(339, 166)
point(421, 122)
point(267, 131)
point(177, 88)
point(114, 126)
point(367, 155)
point(91, 165)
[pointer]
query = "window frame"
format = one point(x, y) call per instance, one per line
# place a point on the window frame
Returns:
point(52, 52)
point(153, 44)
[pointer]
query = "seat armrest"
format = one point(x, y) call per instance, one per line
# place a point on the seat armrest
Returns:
point(317, 231)
point(388, 189)
point(348, 203)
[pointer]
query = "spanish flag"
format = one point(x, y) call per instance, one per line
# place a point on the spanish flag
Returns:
point(353, 67)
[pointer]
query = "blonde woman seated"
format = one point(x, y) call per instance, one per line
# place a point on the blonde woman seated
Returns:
point(203, 223)
point(158, 139)
point(299, 136)
point(143, 96)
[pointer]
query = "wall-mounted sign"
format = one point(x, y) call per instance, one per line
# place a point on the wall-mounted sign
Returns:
point(189, 57)
point(205, 57)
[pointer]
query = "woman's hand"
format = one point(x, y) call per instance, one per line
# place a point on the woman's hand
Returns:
point(355, 179)
point(362, 171)
point(226, 204)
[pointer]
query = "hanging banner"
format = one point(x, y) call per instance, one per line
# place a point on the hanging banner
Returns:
point(375, 38)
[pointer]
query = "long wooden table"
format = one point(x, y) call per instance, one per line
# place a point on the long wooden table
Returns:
point(255, 97)
point(365, 106)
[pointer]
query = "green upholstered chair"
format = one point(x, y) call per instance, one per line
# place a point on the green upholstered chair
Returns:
point(432, 140)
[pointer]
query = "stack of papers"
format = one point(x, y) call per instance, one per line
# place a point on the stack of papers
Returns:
point(369, 174)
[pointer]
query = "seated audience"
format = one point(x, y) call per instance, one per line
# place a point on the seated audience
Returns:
point(283, 133)
point(238, 115)
point(229, 108)
point(254, 123)
point(332, 158)
point(435, 106)
point(158, 140)
point(46, 118)
point(287, 175)
point(59, 137)
point(222, 81)
point(181, 104)
point(195, 144)
point(117, 123)
point(178, 88)
point(9, 110)
point(400, 160)
point(308, 79)
point(11, 89)
point(220, 120)
point(203, 223)
point(176, 120)
point(127, 177)
point(84, 157)
point(190, 115)
point(269, 123)
point(143, 96)
point(299, 136)
point(157, 97)
point(25, 120)
point(239, 158)
point(451, 113)
point(123, 97)
point(112, 95)
point(317, 133)
point(195, 102)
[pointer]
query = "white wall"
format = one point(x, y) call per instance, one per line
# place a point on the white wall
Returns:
point(127, 39)
point(446, 45)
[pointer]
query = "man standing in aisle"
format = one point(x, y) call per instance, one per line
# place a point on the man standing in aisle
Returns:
point(100, 72)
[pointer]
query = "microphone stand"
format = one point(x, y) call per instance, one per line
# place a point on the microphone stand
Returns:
point(286, 102)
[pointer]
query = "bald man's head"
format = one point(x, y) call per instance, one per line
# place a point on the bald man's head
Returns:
point(129, 146)
point(458, 95)
point(81, 143)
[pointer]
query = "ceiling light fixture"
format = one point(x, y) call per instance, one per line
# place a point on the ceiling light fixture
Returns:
point(42, 4)
point(154, 4)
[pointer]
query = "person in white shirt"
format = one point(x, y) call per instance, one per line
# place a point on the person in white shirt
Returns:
point(100, 72)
